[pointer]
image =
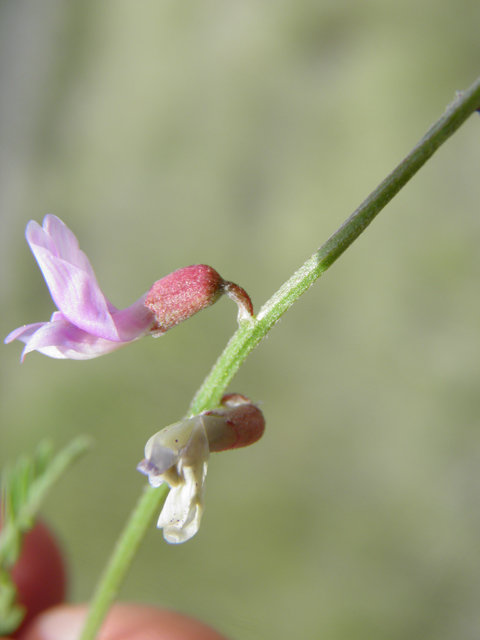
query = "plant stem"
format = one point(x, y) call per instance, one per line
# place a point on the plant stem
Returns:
point(149, 504)
point(251, 333)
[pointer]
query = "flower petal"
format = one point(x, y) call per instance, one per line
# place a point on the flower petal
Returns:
point(133, 322)
point(61, 339)
point(70, 278)
point(181, 514)
point(158, 460)
point(65, 244)
point(175, 436)
point(23, 333)
point(183, 509)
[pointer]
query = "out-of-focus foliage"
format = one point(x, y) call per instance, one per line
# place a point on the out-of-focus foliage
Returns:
point(24, 486)
point(241, 135)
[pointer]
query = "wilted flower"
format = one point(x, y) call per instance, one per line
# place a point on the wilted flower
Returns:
point(178, 455)
point(87, 324)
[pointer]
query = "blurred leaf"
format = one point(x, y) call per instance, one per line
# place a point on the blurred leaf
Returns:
point(23, 488)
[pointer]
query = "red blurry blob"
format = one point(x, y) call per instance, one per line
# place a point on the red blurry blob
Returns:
point(39, 574)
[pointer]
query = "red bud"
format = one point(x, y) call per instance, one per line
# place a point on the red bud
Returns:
point(187, 291)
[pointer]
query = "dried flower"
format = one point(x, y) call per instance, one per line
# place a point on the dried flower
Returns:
point(179, 454)
point(87, 324)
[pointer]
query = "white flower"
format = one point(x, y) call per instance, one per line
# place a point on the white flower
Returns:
point(178, 455)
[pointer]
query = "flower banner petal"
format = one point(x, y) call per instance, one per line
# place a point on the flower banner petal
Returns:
point(70, 278)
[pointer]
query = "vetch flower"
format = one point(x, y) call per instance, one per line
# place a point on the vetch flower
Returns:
point(178, 455)
point(87, 324)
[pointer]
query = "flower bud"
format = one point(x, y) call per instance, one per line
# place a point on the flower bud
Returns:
point(187, 291)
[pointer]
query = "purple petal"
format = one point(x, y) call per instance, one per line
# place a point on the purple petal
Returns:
point(59, 240)
point(87, 325)
point(70, 278)
point(23, 333)
point(61, 339)
point(134, 321)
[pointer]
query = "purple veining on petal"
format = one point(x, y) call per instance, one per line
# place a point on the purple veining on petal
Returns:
point(70, 278)
point(86, 325)
point(62, 339)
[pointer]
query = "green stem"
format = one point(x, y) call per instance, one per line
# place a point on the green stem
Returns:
point(149, 505)
point(250, 333)
point(248, 336)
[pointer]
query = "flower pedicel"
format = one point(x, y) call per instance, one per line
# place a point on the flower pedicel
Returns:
point(178, 455)
point(87, 324)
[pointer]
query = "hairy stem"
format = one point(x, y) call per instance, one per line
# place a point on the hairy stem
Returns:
point(251, 332)
point(249, 335)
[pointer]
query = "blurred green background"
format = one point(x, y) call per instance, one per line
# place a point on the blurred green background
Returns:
point(242, 134)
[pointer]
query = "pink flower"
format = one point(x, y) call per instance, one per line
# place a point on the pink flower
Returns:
point(87, 324)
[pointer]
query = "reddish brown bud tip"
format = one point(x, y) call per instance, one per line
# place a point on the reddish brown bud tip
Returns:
point(243, 417)
point(187, 291)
